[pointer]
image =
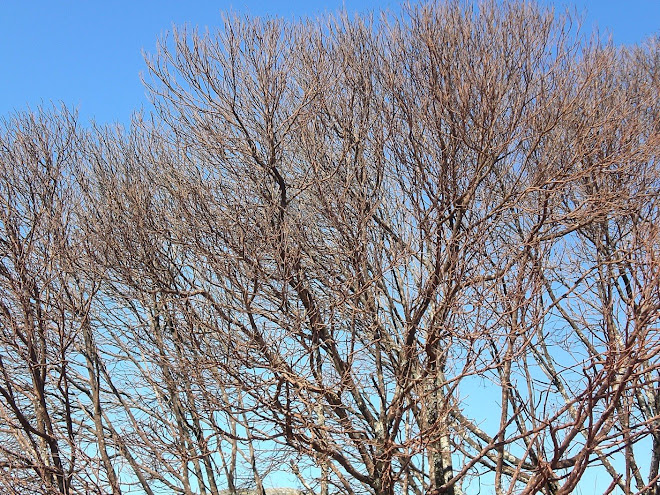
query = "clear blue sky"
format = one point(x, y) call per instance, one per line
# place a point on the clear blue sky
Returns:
point(88, 54)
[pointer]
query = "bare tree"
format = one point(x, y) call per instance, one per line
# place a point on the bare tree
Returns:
point(408, 255)
point(379, 215)
point(45, 445)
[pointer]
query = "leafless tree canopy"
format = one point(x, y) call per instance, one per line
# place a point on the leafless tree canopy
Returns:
point(408, 254)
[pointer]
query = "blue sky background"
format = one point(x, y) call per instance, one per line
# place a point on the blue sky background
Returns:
point(88, 54)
